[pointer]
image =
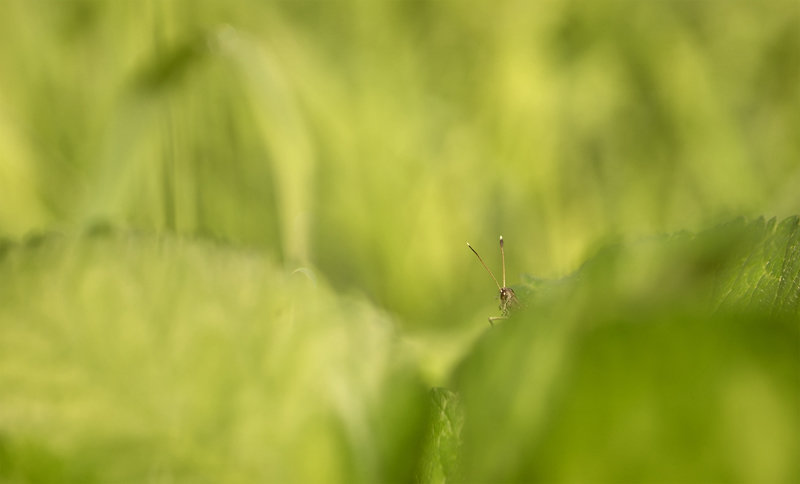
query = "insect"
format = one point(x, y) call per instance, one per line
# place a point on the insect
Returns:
point(508, 299)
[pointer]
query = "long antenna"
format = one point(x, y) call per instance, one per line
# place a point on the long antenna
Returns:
point(503, 255)
point(487, 269)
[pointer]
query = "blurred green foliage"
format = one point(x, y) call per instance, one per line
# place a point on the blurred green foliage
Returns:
point(675, 360)
point(135, 359)
point(372, 138)
point(232, 240)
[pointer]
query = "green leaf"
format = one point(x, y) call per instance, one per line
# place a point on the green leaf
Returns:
point(673, 360)
point(443, 444)
point(131, 358)
point(767, 272)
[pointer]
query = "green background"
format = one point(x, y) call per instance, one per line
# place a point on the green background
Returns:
point(232, 233)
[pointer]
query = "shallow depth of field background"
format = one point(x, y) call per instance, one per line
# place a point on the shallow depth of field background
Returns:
point(372, 139)
point(364, 142)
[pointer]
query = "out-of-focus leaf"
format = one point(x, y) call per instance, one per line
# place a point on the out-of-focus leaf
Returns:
point(673, 360)
point(443, 445)
point(135, 358)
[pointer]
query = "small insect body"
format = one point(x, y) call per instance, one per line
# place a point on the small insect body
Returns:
point(508, 300)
